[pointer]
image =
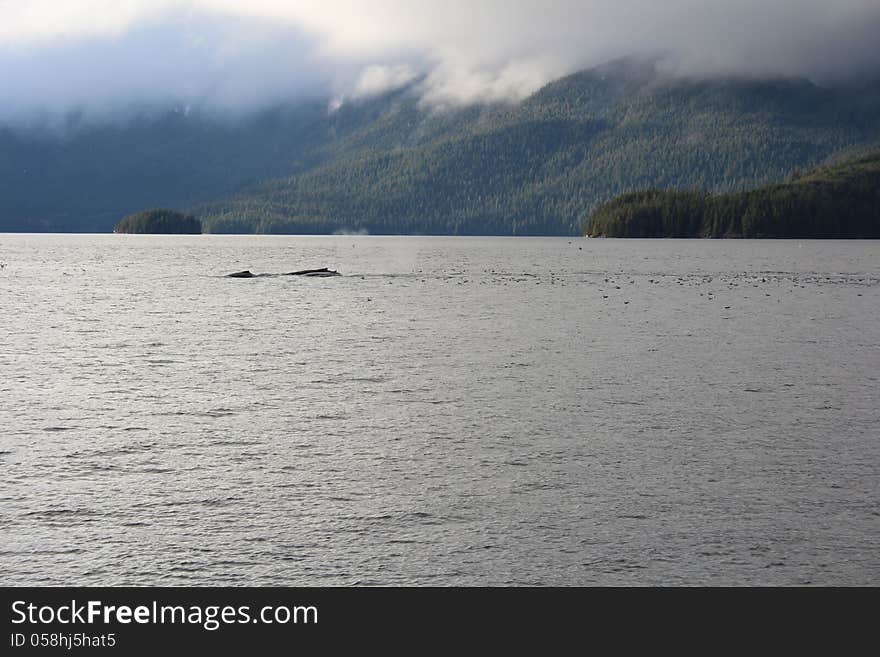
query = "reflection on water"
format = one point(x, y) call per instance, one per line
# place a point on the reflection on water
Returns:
point(450, 411)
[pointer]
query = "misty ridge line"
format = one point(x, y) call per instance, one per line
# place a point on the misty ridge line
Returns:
point(102, 61)
point(391, 164)
point(649, 73)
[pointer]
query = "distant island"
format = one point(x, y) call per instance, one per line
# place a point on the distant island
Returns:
point(159, 221)
point(841, 200)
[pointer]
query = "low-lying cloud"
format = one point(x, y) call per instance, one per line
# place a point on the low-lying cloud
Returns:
point(106, 56)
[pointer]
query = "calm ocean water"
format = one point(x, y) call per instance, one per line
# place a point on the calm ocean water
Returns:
point(451, 411)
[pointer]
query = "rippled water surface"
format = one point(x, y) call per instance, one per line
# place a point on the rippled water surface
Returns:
point(450, 411)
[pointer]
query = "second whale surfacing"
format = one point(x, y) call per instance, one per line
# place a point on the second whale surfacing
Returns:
point(321, 273)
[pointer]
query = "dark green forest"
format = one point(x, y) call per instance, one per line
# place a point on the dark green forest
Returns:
point(159, 221)
point(83, 176)
point(539, 167)
point(390, 164)
point(841, 200)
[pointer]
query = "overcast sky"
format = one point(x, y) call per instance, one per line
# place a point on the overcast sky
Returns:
point(234, 55)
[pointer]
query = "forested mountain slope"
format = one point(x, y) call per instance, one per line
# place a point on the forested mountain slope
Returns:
point(539, 167)
point(391, 164)
point(84, 176)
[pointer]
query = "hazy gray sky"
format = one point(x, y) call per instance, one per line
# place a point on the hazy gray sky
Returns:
point(106, 55)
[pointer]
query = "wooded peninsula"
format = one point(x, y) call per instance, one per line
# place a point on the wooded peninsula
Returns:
point(841, 200)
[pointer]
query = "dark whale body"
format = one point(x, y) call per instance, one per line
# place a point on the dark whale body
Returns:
point(314, 272)
point(319, 273)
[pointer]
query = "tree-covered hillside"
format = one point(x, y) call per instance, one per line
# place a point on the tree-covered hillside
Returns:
point(81, 177)
point(841, 200)
point(390, 164)
point(540, 166)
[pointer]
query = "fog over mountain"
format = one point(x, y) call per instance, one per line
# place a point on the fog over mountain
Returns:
point(108, 58)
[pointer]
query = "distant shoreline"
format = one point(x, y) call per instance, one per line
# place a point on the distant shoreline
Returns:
point(518, 237)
